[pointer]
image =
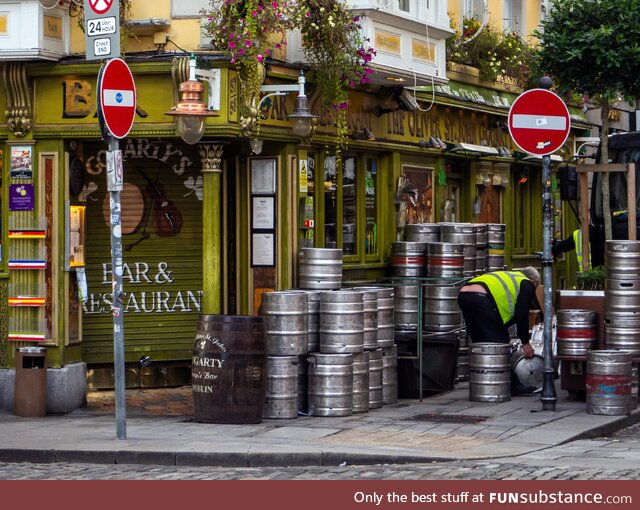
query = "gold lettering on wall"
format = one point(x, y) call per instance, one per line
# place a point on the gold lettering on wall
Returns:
point(420, 50)
point(52, 27)
point(78, 100)
point(387, 42)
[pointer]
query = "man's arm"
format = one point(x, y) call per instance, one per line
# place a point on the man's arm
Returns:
point(563, 246)
point(526, 301)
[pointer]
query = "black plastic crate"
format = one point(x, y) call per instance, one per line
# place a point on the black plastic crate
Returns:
point(439, 360)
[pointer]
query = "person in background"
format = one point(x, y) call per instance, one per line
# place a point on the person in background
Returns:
point(573, 242)
point(492, 302)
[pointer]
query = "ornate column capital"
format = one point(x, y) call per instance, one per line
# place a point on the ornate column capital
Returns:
point(211, 157)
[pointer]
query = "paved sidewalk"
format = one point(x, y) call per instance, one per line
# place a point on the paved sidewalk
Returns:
point(161, 430)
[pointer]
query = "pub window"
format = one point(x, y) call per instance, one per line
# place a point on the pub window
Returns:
point(351, 206)
point(371, 207)
point(330, 202)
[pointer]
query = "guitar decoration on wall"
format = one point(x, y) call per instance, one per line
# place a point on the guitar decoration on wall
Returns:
point(167, 219)
point(139, 206)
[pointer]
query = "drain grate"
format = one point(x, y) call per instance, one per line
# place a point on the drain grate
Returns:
point(447, 418)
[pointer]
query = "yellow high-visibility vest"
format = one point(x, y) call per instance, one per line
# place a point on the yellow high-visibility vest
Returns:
point(504, 287)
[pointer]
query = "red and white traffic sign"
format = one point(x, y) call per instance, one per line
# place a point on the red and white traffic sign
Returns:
point(539, 122)
point(117, 95)
point(100, 6)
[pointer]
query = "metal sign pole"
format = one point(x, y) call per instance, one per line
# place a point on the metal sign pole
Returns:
point(548, 397)
point(114, 186)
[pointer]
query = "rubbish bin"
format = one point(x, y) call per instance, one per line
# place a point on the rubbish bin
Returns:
point(30, 392)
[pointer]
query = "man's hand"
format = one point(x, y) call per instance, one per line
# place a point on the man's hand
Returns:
point(528, 350)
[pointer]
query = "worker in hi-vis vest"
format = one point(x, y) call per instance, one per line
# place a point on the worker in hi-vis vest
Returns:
point(573, 242)
point(492, 302)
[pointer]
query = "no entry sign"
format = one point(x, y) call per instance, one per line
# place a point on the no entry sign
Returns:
point(117, 97)
point(539, 122)
point(100, 6)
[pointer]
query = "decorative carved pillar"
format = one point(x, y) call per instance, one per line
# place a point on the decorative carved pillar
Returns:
point(211, 161)
point(19, 112)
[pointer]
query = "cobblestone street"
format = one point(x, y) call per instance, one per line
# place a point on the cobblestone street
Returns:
point(609, 458)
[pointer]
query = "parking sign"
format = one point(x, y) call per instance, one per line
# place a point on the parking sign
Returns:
point(102, 29)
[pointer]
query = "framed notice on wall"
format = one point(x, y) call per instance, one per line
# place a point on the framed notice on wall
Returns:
point(263, 213)
point(263, 249)
point(263, 176)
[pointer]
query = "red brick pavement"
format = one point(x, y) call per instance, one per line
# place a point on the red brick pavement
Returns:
point(148, 401)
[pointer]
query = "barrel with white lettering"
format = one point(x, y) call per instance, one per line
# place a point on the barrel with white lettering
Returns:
point(228, 372)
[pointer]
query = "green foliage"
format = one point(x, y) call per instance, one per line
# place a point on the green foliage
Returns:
point(249, 30)
point(494, 53)
point(592, 47)
point(591, 279)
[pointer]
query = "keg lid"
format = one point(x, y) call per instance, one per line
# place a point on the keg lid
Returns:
point(529, 371)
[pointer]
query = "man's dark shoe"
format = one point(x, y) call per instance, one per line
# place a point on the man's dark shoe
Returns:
point(521, 389)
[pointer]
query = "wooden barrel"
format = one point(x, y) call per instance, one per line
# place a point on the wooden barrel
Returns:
point(609, 382)
point(228, 371)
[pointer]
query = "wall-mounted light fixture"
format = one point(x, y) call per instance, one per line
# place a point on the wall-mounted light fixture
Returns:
point(190, 113)
point(303, 119)
point(432, 143)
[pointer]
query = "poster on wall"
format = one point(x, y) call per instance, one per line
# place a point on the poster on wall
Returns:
point(263, 250)
point(263, 213)
point(21, 162)
point(21, 197)
point(263, 176)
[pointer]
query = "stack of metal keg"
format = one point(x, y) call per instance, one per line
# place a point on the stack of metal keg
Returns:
point(286, 325)
point(622, 296)
point(495, 246)
point(622, 301)
point(356, 344)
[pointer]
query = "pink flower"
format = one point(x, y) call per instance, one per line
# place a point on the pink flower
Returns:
point(254, 13)
point(260, 58)
point(232, 45)
point(248, 44)
point(274, 5)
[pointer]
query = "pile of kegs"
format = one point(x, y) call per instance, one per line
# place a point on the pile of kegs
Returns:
point(622, 296)
point(329, 352)
point(449, 250)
